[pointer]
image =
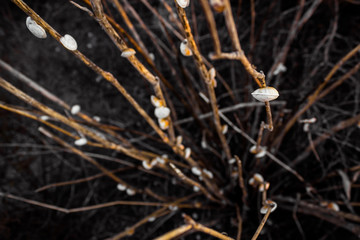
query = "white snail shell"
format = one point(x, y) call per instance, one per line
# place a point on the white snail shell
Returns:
point(121, 187)
point(183, 3)
point(69, 42)
point(147, 165)
point(128, 52)
point(187, 153)
point(268, 204)
point(130, 192)
point(208, 173)
point(162, 112)
point(156, 102)
point(196, 171)
point(163, 123)
point(80, 142)
point(35, 28)
point(75, 109)
point(184, 49)
point(218, 5)
point(265, 94)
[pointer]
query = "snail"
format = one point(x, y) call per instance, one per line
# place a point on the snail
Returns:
point(184, 48)
point(163, 123)
point(121, 187)
point(75, 109)
point(187, 153)
point(130, 192)
point(128, 53)
point(80, 142)
point(183, 3)
point(268, 205)
point(218, 5)
point(156, 102)
point(35, 28)
point(162, 112)
point(196, 171)
point(69, 42)
point(265, 94)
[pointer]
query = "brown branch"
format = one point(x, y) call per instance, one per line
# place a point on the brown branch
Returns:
point(205, 76)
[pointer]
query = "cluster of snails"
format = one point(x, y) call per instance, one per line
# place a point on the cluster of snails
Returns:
point(258, 181)
point(161, 112)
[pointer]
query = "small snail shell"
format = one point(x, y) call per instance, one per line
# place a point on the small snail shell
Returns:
point(162, 112)
point(208, 173)
point(130, 192)
point(212, 73)
point(80, 142)
point(265, 94)
point(164, 123)
point(128, 53)
point(183, 3)
point(268, 205)
point(196, 188)
point(151, 219)
point(147, 165)
point(196, 171)
point(217, 5)
point(187, 153)
point(184, 48)
point(35, 28)
point(121, 187)
point(224, 129)
point(156, 102)
point(75, 109)
point(69, 42)
point(333, 206)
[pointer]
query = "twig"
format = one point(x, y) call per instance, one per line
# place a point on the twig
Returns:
point(205, 77)
point(262, 223)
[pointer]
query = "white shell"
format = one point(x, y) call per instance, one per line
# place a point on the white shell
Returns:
point(179, 140)
point(232, 161)
point(187, 153)
point(35, 28)
point(280, 68)
point(147, 165)
point(130, 192)
point(208, 173)
point(224, 129)
point(268, 204)
point(196, 171)
point(184, 48)
point(69, 42)
point(333, 206)
point(183, 3)
point(44, 117)
point(212, 73)
point(162, 112)
point(75, 109)
point(151, 219)
point(128, 53)
point(121, 187)
point(265, 94)
point(159, 160)
point(97, 118)
point(163, 123)
point(196, 188)
point(80, 142)
point(262, 153)
point(173, 207)
point(152, 56)
point(258, 178)
point(156, 102)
